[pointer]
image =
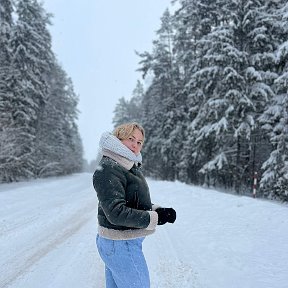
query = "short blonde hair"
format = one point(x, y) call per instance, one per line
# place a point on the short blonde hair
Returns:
point(124, 131)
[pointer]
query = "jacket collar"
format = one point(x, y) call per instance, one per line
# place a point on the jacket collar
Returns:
point(124, 162)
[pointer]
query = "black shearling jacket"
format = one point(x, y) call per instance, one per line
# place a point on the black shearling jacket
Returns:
point(124, 198)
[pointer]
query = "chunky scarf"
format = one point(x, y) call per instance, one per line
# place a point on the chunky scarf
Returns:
point(112, 147)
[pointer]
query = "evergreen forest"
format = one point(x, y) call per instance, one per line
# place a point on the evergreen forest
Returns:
point(38, 105)
point(214, 96)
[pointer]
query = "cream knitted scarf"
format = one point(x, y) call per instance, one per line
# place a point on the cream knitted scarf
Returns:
point(112, 147)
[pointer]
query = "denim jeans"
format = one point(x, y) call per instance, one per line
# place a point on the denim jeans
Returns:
point(125, 264)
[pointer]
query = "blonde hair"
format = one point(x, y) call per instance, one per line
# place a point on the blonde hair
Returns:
point(124, 131)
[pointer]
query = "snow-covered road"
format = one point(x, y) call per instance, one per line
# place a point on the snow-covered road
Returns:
point(45, 226)
point(48, 227)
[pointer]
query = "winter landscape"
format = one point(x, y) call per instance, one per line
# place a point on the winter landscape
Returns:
point(214, 104)
point(219, 240)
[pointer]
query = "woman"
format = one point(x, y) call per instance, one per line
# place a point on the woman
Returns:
point(125, 212)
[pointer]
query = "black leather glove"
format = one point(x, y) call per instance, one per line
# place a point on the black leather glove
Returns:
point(166, 215)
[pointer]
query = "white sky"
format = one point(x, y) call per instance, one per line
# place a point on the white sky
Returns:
point(95, 40)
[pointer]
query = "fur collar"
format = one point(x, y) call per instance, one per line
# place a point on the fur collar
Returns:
point(124, 162)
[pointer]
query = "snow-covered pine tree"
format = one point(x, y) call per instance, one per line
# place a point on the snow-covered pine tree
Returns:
point(72, 159)
point(129, 110)
point(31, 59)
point(234, 89)
point(43, 66)
point(121, 112)
point(193, 21)
point(38, 132)
point(56, 125)
point(159, 102)
point(7, 145)
point(136, 101)
point(6, 23)
point(152, 113)
point(175, 122)
point(59, 142)
point(274, 181)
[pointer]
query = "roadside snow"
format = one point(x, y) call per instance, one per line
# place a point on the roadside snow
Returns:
point(48, 227)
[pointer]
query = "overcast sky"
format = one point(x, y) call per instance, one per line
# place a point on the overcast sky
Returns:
point(95, 41)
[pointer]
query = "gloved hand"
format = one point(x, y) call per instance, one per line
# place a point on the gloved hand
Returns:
point(166, 215)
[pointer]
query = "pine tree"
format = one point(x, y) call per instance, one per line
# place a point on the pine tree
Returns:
point(59, 144)
point(274, 182)
point(228, 90)
point(32, 57)
point(136, 101)
point(129, 110)
point(121, 112)
point(194, 20)
point(7, 138)
point(72, 160)
point(160, 103)
point(189, 28)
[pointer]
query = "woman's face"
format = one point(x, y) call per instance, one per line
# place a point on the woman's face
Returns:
point(134, 142)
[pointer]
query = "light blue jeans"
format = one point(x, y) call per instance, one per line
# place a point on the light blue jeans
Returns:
point(125, 264)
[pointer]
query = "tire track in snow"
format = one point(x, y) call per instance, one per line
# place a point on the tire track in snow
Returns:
point(21, 263)
point(174, 272)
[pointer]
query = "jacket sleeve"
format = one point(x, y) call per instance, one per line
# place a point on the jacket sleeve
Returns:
point(109, 183)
